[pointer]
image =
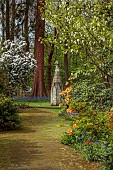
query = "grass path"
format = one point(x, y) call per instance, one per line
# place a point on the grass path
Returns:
point(37, 145)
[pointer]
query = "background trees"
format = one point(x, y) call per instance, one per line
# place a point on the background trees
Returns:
point(77, 33)
point(38, 84)
point(89, 40)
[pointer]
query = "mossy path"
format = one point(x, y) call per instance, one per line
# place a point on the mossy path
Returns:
point(37, 145)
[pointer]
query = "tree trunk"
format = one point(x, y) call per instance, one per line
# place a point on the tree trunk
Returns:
point(3, 22)
point(26, 28)
point(38, 84)
point(49, 79)
point(66, 69)
point(7, 20)
point(12, 20)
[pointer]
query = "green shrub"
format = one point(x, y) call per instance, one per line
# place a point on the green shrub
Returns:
point(92, 134)
point(5, 87)
point(90, 106)
point(101, 151)
point(9, 119)
point(79, 95)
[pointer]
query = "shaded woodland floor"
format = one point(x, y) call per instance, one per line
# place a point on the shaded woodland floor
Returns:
point(37, 145)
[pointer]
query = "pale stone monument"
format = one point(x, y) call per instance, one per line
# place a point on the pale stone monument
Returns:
point(56, 87)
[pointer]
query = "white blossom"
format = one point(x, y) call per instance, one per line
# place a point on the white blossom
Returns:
point(18, 63)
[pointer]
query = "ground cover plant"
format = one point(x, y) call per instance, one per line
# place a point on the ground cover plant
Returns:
point(91, 130)
point(32, 99)
point(9, 118)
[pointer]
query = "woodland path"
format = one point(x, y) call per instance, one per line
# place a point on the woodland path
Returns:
point(37, 145)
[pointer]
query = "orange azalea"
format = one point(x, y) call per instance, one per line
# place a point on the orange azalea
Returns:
point(111, 125)
point(68, 89)
point(111, 116)
point(75, 126)
point(67, 100)
point(62, 93)
point(69, 110)
point(70, 132)
point(67, 83)
point(88, 141)
point(74, 111)
point(111, 109)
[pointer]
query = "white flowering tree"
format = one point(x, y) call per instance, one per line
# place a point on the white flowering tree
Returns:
point(18, 64)
point(85, 32)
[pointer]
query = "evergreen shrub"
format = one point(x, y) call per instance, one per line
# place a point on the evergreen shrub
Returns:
point(9, 119)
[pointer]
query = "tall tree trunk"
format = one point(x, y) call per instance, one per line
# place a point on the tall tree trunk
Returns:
point(12, 20)
point(26, 28)
point(7, 20)
point(66, 69)
point(49, 79)
point(38, 84)
point(66, 62)
point(3, 22)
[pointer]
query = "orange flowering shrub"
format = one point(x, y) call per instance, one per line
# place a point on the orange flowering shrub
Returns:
point(70, 132)
point(111, 109)
point(73, 107)
point(92, 133)
point(67, 83)
point(63, 93)
point(88, 141)
point(68, 89)
point(66, 96)
point(111, 116)
point(69, 110)
point(92, 129)
point(67, 100)
point(75, 126)
point(111, 120)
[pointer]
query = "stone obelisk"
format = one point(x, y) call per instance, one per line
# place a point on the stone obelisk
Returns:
point(56, 87)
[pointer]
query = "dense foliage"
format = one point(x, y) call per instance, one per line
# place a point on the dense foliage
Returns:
point(4, 83)
point(90, 108)
point(9, 119)
point(85, 29)
point(92, 134)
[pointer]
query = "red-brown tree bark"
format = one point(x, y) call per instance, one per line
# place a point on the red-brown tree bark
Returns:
point(38, 84)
